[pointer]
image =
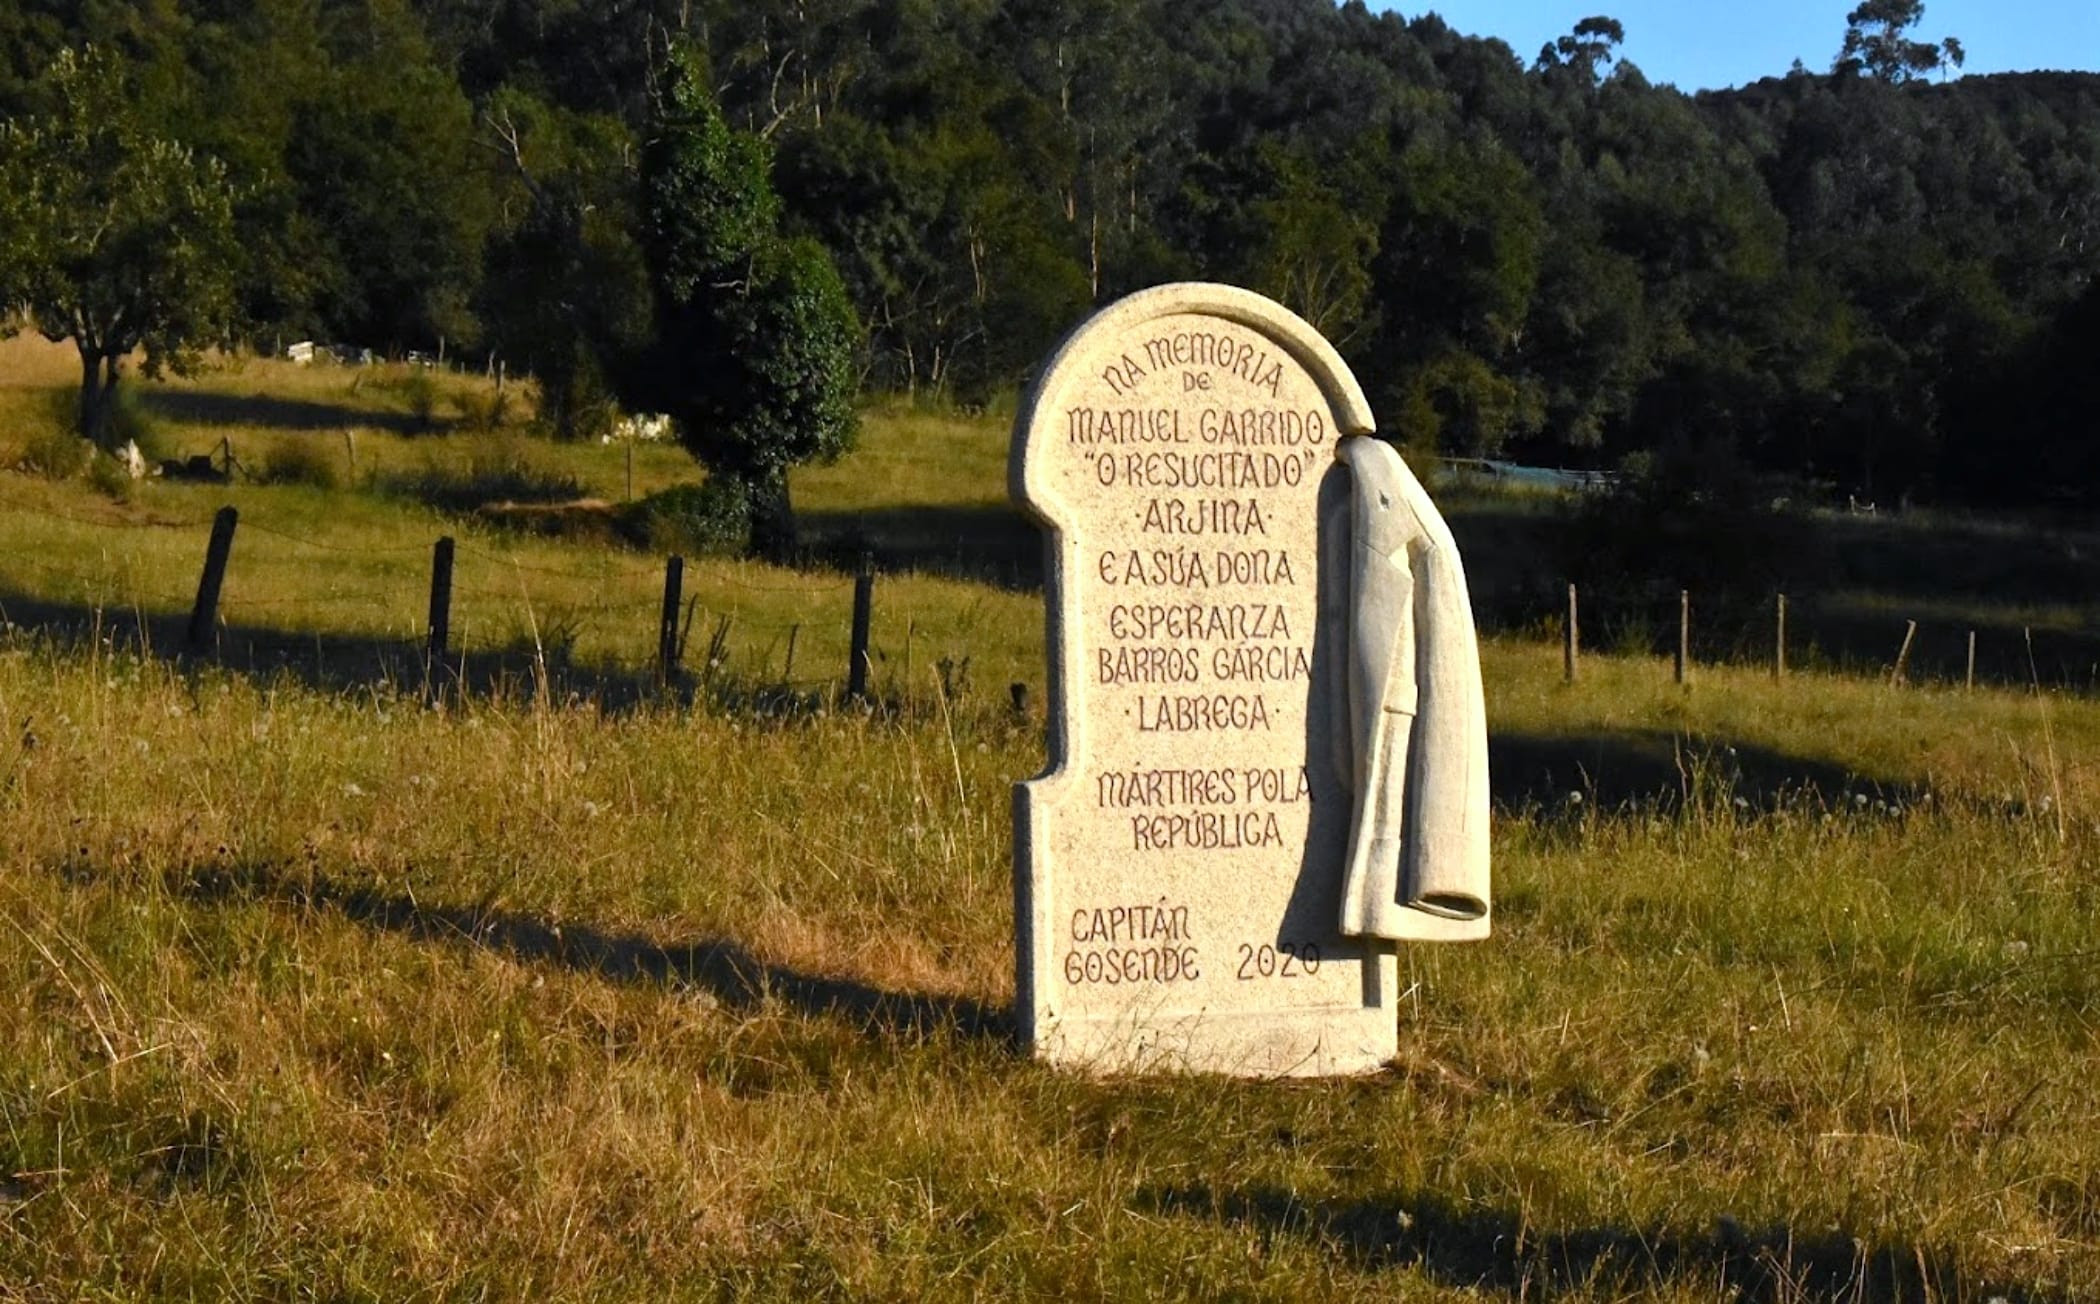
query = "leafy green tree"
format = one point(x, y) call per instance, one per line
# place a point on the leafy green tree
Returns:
point(1313, 243)
point(1877, 42)
point(1588, 50)
point(563, 284)
point(1091, 64)
point(382, 155)
point(1456, 403)
point(1456, 271)
point(116, 238)
point(1835, 276)
point(755, 339)
point(2038, 437)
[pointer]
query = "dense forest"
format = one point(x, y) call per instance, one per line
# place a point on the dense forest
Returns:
point(1871, 280)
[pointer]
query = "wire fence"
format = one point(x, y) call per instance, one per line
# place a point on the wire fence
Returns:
point(433, 611)
point(612, 613)
point(1785, 635)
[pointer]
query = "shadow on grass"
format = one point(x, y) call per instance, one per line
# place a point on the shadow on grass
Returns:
point(201, 407)
point(2008, 654)
point(335, 662)
point(515, 673)
point(526, 499)
point(1609, 768)
point(1849, 635)
point(1493, 1251)
point(1930, 557)
point(1622, 767)
point(721, 968)
point(1848, 589)
point(991, 544)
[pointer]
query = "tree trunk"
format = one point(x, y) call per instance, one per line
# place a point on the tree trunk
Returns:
point(98, 390)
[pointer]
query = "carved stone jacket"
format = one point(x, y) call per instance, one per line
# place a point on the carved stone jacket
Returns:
point(1412, 721)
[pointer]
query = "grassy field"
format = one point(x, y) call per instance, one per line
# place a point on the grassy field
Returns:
point(334, 586)
point(610, 994)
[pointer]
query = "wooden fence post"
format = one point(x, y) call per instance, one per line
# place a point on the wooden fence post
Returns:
point(863, 615)
point(1896, 676)
point(439, 619)
point(667, 639)
point(441, 598)
point(350, 454)
point(1571, 640)
point(1969, 683)
point(787, 675)
point(630, 468)
point(1779, 640)
point(1684, 633)
point(204, 614)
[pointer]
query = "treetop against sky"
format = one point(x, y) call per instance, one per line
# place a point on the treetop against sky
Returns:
point(1706, 46)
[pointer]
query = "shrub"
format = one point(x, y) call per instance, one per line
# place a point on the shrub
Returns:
point(110, 476)
point(419, 390)
point(499, 468)
point(56, 453)
point(482, 410)
point(54, 447)
point(693, 519)
point(297, 459)
point(130, 421)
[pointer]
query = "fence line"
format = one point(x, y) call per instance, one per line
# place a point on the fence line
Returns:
point(1773, 641)
point(668, 602)
point(734, 582)
point(534, 568)
point(367, 598)
point(360, 551)
point(454, 598)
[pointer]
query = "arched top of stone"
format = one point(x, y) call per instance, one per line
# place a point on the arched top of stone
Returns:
point(1077, 356)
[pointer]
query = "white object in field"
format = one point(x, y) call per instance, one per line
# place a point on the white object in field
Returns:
point(642, 427)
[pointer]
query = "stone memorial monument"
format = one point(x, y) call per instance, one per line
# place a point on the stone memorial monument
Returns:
point(1268, 752)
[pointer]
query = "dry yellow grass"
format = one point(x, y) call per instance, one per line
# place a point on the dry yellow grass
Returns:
point(338, 996)
point(318, 993)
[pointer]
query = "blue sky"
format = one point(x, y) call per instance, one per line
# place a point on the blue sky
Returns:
point(1701, 44)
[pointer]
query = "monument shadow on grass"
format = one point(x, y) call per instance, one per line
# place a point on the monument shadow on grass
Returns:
point(722, 968)
point(1629, 767)
point(1493, 1251)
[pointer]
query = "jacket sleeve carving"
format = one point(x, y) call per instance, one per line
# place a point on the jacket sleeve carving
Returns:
point(1413, 714)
